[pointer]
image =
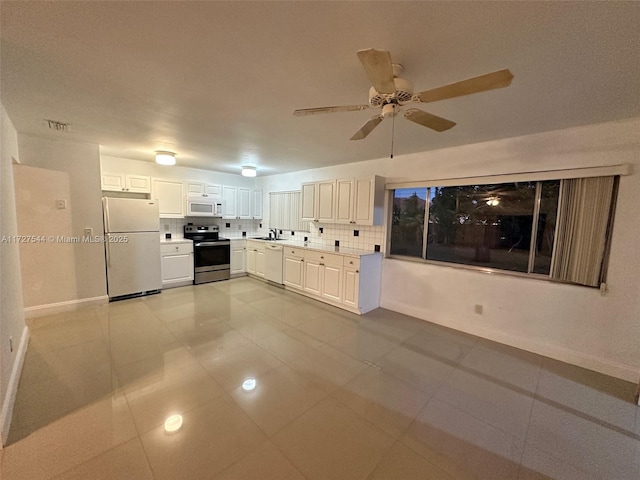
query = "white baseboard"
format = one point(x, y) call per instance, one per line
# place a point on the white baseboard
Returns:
point(51, 308)
point(12, 387)
point(562, 354)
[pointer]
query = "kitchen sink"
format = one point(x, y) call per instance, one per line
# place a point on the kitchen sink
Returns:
point(267, 238)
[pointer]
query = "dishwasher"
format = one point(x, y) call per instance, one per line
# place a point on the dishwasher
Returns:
point(273, 263)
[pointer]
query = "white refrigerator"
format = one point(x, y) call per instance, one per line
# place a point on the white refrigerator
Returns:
point(132, 246)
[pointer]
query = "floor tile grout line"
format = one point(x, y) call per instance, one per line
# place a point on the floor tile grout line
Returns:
point(526, 436)
point(135, 425)
point(536, 398)
point(403, 431)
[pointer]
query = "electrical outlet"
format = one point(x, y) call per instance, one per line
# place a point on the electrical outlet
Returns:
point(478, 309)
point(88, 231)
point(61, 204)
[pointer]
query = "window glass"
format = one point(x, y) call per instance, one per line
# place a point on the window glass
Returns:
point(514, 226)
point(407, 231)
point(546, 226)
point(483, 225)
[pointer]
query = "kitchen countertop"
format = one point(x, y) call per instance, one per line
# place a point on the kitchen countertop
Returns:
point(174, 240)
point(351, 252)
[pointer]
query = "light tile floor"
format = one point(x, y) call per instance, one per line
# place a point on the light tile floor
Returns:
point(337, 396)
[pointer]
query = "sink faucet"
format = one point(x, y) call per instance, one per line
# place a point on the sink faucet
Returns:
point(275, 233)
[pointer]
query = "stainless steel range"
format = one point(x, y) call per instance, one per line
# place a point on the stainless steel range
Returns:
point(212, 253)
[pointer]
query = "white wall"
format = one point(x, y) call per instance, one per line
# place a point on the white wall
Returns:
point(37, 190)
point(571, 323)
point(82, 162)
point(11, 304)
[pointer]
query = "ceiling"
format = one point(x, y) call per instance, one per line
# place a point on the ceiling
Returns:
point(217, 82)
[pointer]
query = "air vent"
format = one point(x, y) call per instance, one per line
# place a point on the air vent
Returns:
point(58, 126)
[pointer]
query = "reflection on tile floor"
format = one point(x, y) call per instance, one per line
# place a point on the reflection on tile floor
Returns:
point(337, 396)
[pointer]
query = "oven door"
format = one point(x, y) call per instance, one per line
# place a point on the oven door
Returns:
point(211, 256)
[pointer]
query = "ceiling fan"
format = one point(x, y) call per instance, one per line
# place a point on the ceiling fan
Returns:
point(390, 92)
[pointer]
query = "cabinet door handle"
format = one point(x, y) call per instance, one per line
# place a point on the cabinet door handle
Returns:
point(357, 271)
point(350, 263)
point(322, 264)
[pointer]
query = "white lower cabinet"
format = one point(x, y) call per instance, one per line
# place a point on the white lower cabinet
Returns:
point(347, 281)
point(238, 257)
point(312, 276)
point(255, 258)
point(350, 283)
point(293, 269)
point(177, 263)
point(260, 262)
point(323, 275)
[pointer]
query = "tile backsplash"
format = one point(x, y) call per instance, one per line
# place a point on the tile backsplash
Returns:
point(174, 226)
point(361, 237)
point(367, 237)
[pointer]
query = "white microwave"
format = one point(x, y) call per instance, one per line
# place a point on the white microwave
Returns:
point(204, 207)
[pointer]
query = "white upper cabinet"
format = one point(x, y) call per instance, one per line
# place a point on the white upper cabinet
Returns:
point(245, 210)
point(318, 201)
point(357, 201)
point(309, 201)
point(204, 189)
point(256, 204)
point(230, 201)
point(116, 182)
point(237, 202)
point(360, 201)
point(344, 201)
point(170, 196)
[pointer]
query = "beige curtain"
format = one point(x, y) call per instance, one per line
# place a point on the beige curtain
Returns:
point(584, 209)
point(285, 211)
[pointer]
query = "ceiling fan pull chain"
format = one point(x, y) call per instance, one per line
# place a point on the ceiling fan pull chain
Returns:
point(393, 128)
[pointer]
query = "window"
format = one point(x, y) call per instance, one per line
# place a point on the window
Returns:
point(509, 226)
point(407, 231)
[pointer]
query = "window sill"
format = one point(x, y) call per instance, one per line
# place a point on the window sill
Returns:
point(487, 270)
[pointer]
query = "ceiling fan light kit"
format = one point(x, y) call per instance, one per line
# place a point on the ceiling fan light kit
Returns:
point(389, 92)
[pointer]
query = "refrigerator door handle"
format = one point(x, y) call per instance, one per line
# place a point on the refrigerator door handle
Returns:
point(105, 202)
point(106, 247)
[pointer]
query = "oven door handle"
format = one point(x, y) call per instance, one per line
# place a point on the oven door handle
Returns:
point(211, 244)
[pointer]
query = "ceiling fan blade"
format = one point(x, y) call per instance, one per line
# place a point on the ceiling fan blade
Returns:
point(490, 81)
point(342, 108)
point(367, 128)
point(428, 120)
point(377, 65)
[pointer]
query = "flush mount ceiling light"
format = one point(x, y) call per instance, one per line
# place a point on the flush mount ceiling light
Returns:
point(249, 171)
point(165, 158)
